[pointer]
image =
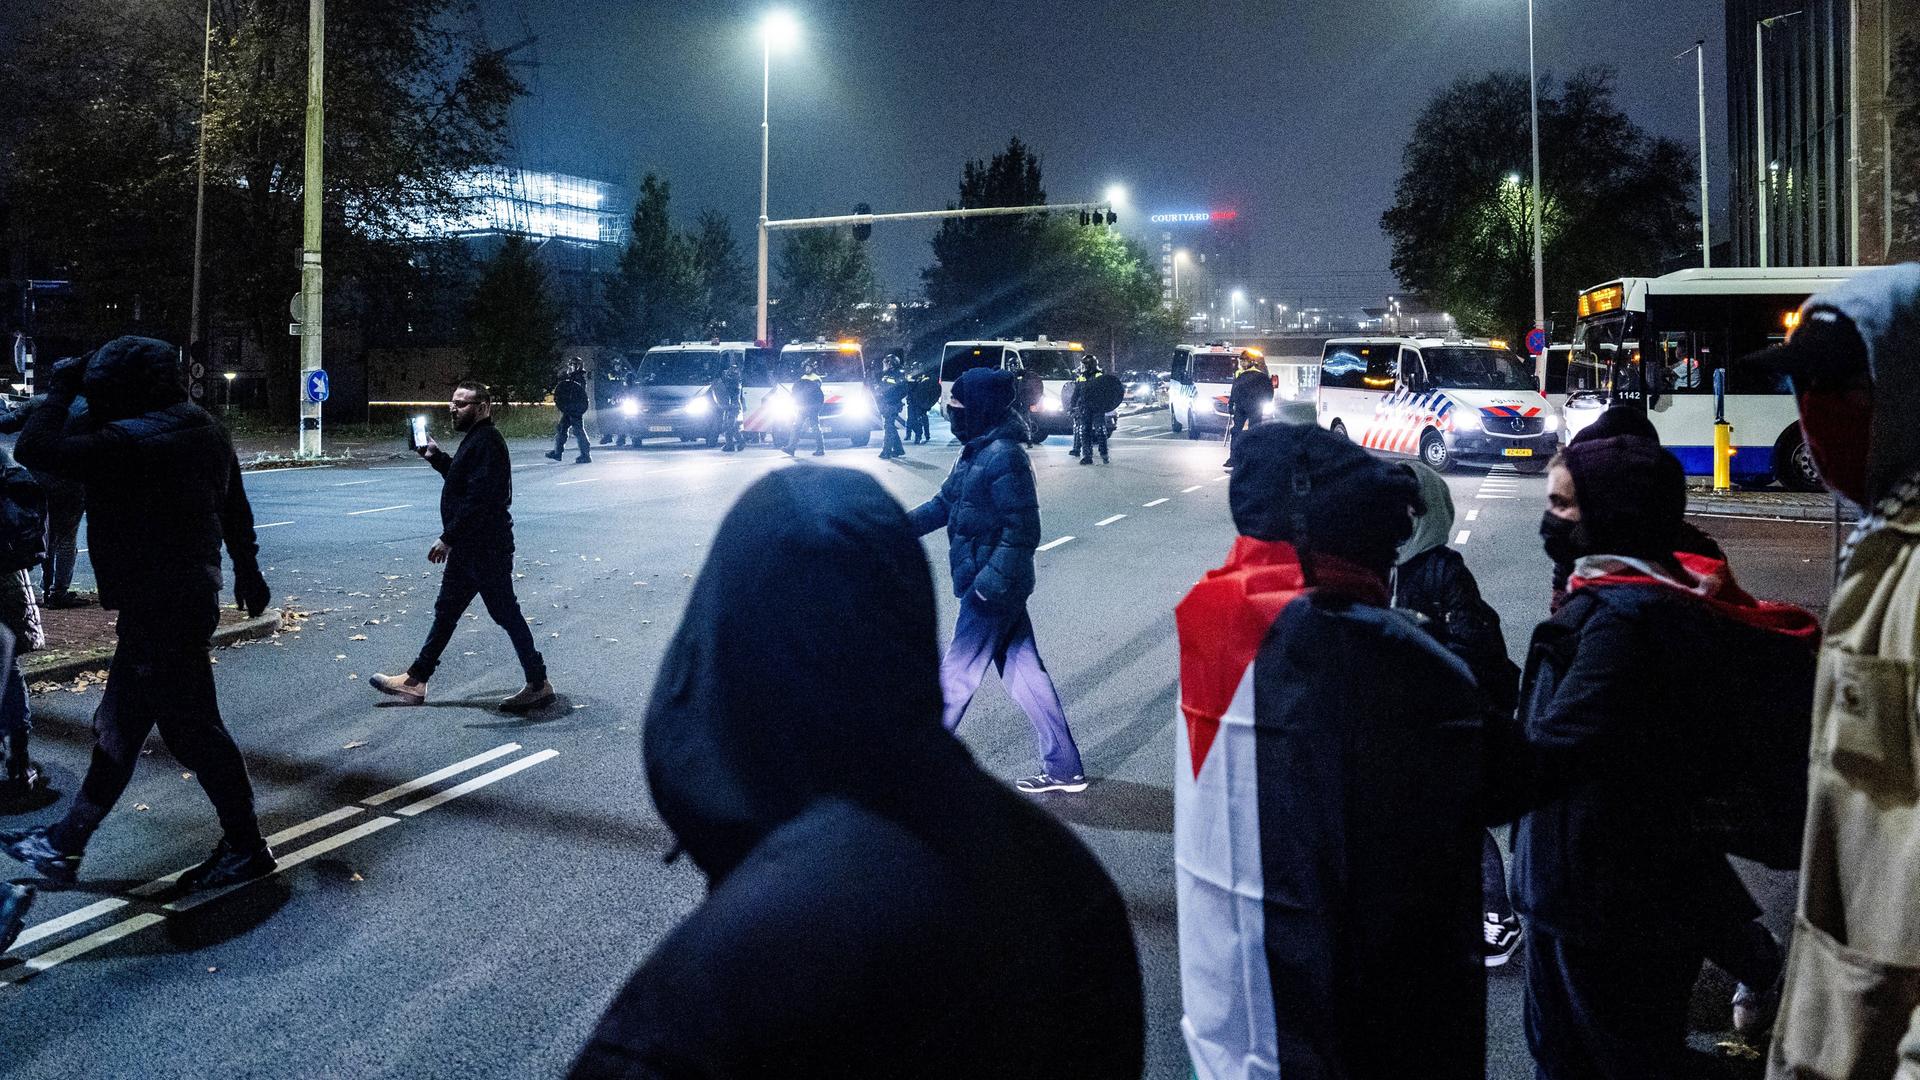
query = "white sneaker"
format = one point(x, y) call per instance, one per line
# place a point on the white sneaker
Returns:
point(1035, 785)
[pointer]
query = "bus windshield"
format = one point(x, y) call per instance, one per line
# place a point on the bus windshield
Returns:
point(1051, 363)
point(835, 365)
point(1476, 368)
point(679, 368)
point(1600, 346)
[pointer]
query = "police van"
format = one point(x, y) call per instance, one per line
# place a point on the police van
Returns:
point(665, 393)
point(1057, 363)
point(849, 411)
point(1201, 382)
point(1444, 400)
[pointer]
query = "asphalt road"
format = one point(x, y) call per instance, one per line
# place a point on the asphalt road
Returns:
point(476, 922)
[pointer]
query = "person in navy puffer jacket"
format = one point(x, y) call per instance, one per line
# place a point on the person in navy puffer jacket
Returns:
point(992, 517)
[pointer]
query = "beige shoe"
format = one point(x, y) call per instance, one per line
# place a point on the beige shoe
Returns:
point(531, 697)
point(400, 686)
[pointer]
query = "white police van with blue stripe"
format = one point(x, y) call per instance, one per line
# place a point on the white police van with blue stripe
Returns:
point(1444, 400)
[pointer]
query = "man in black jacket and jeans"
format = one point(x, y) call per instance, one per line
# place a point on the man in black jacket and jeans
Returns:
point(476, 543)
point(164, 492)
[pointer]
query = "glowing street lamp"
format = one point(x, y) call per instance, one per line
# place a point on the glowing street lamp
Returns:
point(779, 30)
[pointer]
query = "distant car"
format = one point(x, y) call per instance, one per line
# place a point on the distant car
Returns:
point(1144, 388)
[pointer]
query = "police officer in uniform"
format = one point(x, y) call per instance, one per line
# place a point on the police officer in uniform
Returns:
point(923, 393)
point(726, 405)
point(889, 394)
point(808, 397)
point(1089, 427)
point(1247, 400)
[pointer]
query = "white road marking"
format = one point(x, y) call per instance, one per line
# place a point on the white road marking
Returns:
point(1473, 514)
point(1496, 496)
point(295, 832)
point(438, 775)
point(1051, 544)
point(356, 483)
point(1162, 435)
point(476, 783)
point(271, 525)
point(537, 465)
point(1462, 538)
point(1187, 491)
point(1155, 502)
point(588, 480)
point(270, 472)
point(1222, 478)
point(55, 957)
point(1108, 521)
point(378, 509)
point(71, 919)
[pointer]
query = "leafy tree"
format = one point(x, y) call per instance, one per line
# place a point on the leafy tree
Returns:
point(1615, 200)
point(723, 287)
point(513, 326)
point(982, 266)
point(651, 294)
point(102, 130)
point(828, 285)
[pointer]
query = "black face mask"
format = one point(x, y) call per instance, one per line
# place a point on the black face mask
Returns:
point(1564, 540)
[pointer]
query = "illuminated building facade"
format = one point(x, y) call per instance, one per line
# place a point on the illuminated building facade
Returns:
point(538, 205)
point(1210, 247)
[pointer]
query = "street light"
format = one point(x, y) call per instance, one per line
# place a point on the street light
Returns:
point(1179, 257)
point(778, 30)
point(1233, 309)
point(229, 377)
point(1533, 115)
point(1117, 194)
point(1764, 189)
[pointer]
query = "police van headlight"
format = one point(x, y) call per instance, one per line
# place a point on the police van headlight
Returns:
point(1049, 403)
point(1270, 407)
point(783, 407)
point(856, 403)
point(699, 405)
point(1553, 423)
point(629, 407)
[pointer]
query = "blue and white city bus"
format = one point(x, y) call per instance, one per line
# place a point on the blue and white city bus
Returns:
point(1662, 339)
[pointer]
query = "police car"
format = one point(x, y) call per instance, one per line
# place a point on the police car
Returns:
point(849, 411)
point(1057, 363)
point(1444, 400)
point(1202, 381)
point(666, 392)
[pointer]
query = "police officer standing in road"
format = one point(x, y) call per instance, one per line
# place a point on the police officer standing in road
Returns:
point(889, 394)
point(476, 543)
point(923, 393)
point(808, 398)
point(1247, 400)
point(1095, 394)
point(164, 492)
point(726, 405)
point(570, 397)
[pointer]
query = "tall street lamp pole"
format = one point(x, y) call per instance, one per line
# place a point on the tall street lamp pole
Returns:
point(777, 29)
point(1763, 189)
point(200, 190)
point(312, 302)
point(1539, 286)
point(1699, 52)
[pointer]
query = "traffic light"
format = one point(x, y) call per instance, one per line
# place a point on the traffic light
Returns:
point(1098, 217)
point(861, 232)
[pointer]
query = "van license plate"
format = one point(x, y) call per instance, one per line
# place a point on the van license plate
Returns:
point(1517, 451)
point(668, 429)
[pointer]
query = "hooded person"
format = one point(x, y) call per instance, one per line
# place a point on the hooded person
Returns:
point(1852, 998)
point(991, 512)
point(164, 492)
point(1638, 777)
point(877, 905)
point(1327, 800)
point(1248, 399)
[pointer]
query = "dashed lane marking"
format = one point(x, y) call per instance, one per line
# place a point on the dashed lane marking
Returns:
point(1473, 514)
point(1155, 502)
point(1485, 496)
point(378, 509)
point(356, 483)
point(1108, 521)
point(1051, 544)
point(1462, 538)
point(270, 472)
point(271, 525)
point(1221, 478)
point(570, 483)
point(476, 783)
point(1188, 491)
point(438, 775)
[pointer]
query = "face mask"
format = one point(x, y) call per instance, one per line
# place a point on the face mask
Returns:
point(1562, 539)
point(1838, 425)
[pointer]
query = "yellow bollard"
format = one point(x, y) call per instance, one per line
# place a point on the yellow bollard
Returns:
point(1722, 456)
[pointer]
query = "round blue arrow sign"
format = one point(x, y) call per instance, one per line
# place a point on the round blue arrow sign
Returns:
point(317, 387)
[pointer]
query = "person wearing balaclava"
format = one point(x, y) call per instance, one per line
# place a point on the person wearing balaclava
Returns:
point(1327, 791)
point(889, 395)
point(1851, 1006)
point(809, 397)
point(877, 905)
point(991, 512)
point(164, 492)
point(1433, 581)
point(1662, 711)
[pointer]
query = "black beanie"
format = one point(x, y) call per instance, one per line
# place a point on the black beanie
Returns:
point(1633, 495)
point(1618, 420)
point(1295, 476)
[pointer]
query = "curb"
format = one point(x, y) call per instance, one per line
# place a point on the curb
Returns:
point(1769, 511)
point(266, 624)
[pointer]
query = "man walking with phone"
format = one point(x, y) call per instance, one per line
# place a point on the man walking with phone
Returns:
point(476, 544)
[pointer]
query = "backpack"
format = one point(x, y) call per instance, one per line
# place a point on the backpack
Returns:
point(23, 519)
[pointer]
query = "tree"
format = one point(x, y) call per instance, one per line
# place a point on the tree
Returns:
point(828, 286)
point(651, 293)
point(1614, 200)
point(723, 290)
point(982, 266)
point(102, 129)
point(513, 327)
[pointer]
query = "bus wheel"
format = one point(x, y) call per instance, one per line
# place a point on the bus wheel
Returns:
point(860, 438)
point(1192, 432)
point(1793, 463)
point(1433, 451)
point(1340, 429)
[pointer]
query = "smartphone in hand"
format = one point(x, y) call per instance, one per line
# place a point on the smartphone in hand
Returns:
point(417, 432)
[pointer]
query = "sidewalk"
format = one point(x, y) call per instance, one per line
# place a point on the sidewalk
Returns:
point(1765, 503)
point(80, 644)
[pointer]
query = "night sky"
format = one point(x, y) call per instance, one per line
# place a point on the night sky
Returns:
point(1293, 113)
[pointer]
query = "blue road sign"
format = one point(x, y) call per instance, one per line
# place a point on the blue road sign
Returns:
point(317, 388)
point(1536, 341)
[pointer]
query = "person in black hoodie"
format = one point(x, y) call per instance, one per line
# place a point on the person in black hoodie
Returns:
point(66, 505)
point(570, 397)
point(1247, 399)
point(992, 516)
point(164, 493)
point(859, 921)
point(476, 543)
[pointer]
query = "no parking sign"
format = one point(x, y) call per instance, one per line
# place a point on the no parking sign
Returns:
point(1536, 341)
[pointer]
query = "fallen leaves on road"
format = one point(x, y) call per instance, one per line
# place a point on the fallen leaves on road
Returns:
point(356, 877)
point(339, 656)
point(354, 745)
point(351, 675)
point(358, 637)
point(141, 807)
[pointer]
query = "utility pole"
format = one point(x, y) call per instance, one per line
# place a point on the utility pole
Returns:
point(311, 296)
point(200, 195)
point(1699, 52)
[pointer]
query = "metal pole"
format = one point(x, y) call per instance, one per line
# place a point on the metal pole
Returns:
point(1760, 133)
point(1700, 77)
point(1539, 285)
point(200, 190)
point(766, 95)
point(311, 295)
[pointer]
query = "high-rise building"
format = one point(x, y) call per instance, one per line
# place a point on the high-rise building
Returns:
point(1205, 253)
point(1826, 188)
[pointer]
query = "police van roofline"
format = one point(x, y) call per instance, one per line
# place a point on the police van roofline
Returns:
point(1037, 343)
point(1416, 342)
